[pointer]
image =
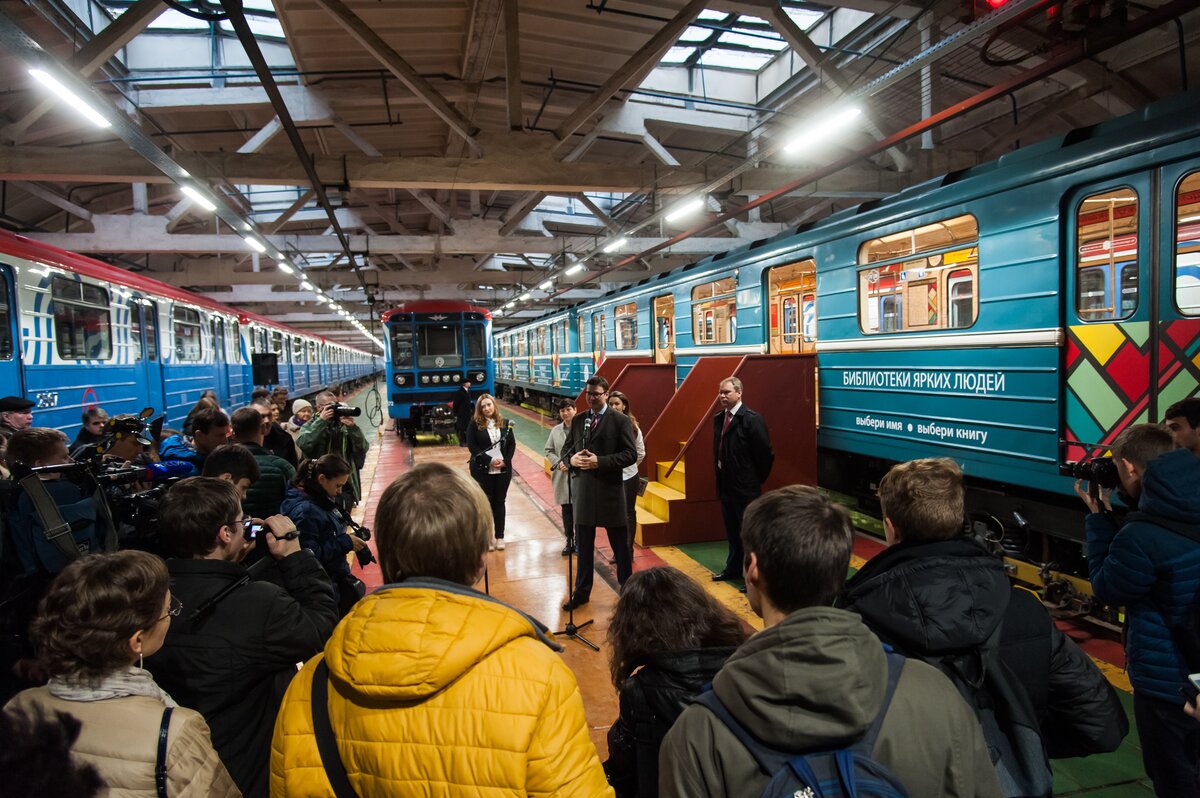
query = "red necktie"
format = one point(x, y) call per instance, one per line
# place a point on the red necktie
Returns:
point(728, 420)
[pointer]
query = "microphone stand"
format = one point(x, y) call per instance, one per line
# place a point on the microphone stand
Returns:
point(572, 628)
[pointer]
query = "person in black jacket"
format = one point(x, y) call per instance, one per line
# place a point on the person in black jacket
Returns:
point(667, 639)
point(232, 652)
point(462, 411)
point(487, 431)
point(940, 596)
point(743, 457)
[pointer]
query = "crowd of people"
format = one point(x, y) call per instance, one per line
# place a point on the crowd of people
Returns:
point(926, 672)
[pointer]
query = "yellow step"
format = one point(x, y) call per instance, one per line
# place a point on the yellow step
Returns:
point(676, 480)
point(657, 499)
point(645, 518)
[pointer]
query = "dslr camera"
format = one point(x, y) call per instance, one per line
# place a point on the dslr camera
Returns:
point(1100, 471)
point(345, 411)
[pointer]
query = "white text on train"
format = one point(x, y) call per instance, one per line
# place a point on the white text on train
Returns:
point(981, 382)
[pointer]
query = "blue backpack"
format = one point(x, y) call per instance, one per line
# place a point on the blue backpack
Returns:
point(851, 772)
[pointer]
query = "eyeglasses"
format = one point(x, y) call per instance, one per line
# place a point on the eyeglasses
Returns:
point(596, 395)
point(173, 608)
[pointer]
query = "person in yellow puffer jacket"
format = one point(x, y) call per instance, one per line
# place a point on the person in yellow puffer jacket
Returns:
point(435, 688)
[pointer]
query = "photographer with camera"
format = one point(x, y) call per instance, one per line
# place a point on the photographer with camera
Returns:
point(1150, 564)
point(312, 505)
point(333, 431)
point(233, 650)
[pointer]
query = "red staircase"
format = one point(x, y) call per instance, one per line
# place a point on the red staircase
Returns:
point(649, 387)
point(610, 369)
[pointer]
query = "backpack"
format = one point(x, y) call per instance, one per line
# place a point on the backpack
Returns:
point(850, 771)
point(1006, 715)
point(1186, 633)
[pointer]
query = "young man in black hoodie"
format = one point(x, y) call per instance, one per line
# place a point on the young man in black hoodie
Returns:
point(937, 595)
point(233, 661)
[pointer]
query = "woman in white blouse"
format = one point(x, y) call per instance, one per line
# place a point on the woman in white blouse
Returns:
point(488, 436)
point(620, 402)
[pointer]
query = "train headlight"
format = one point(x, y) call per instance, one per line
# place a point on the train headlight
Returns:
point(399, 380)
point(480, 377)
point(456, 377)
point(436, 379)
point(424, 379)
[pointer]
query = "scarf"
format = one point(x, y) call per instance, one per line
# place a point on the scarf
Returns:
point(128, 681)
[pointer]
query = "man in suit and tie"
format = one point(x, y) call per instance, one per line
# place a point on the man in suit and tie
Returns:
point(603, 443)
point(463, 407)
point(742, 451)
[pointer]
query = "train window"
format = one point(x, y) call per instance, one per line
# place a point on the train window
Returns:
point(150, 319)
point(437, 346)
point(560, 336)
point(476, 345)
point(579, 336)
point(135, 330)
point(6, 337)
point(82, 323)
point(923, 289)
point(625, 322)
point(541, 337)
point(1106, 255)
point(233, 352)
point(714, 312)
point(597, 332)
point(521, 343)
point(1187, 245)
point(217, 326)
point(277, 343)
point(188, 348)
point(297, 349)
point(312, 352)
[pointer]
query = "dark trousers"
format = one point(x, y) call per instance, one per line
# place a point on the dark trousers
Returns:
point(631, 489)
point(460, 428)
point(495, 487)
point(568, 514)
point(1170, 746)
point(585, 539)
point(732, 512)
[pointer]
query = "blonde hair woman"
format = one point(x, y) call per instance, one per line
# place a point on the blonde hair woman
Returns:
point(491, 442)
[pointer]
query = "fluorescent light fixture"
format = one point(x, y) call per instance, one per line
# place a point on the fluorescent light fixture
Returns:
point(306, 285)
point(201, 200)
point(620, 242)
point(256, 245)
point(71, 98)
point(823, 130)
point(546, 286)
point(525, 296)
point(285, 268)
point(509, 304)
point(576, 269)
point(499, 311)
point(685, 208)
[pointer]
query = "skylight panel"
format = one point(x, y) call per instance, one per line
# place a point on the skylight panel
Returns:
point(803, 17)
point(709, 14)
point(677, 55)
point(732, 59)
point(173, 20)
point(758, 41)
point(695, 33)
point(260, 26)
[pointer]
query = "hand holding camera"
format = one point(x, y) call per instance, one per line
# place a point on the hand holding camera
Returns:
point(282, 539)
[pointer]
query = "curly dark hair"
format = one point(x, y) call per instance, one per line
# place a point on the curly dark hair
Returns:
point(660, 610)
point(36, 756)
point(94, 606)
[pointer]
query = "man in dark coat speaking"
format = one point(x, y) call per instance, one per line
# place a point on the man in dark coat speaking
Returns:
point(603, 443)
point(463, 407)
point(743, 456)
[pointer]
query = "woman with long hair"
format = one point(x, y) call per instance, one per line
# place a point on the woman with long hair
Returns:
point(620, 402)
point(311, 506)
point(103, 614)
point(667, 639)
point(491, 442)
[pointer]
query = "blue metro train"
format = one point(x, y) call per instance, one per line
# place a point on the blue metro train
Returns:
point(75, 332)
point(1014, 316)
point(434, 346)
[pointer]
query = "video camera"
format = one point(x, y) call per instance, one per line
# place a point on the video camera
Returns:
point(1101, 471)
point(345, 411)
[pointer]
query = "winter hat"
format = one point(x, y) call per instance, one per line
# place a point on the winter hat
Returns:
point(299, 405)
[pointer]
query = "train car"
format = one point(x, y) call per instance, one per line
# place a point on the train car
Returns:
point(433, 346)
point(75, 332)
point(1015, 316)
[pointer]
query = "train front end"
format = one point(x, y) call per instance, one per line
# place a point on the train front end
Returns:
point(433, 348)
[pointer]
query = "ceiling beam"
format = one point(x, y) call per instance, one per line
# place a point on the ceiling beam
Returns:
point(512, 65)
point(633, 70)
point(92, 56)
point(55, 199)
point(403, 71)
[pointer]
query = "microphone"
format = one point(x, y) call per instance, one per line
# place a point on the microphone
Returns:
point(587, 431)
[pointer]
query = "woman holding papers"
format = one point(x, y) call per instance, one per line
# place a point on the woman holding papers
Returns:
point(492, 444)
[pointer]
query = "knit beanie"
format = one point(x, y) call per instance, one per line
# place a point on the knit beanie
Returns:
point(300, 404)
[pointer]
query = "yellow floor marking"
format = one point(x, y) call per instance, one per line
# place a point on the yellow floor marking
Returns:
point(1117, 677)
point(723, 592)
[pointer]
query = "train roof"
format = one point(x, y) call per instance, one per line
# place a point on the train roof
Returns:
point(50, 255)
point(435, 306)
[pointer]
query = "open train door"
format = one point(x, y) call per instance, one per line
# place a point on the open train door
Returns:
point(664, 329)
point(1178, 346)
point(10, 362)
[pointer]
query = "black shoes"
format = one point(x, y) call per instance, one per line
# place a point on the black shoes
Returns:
point(569, 549)
point(723, 576)
point(574, 603)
